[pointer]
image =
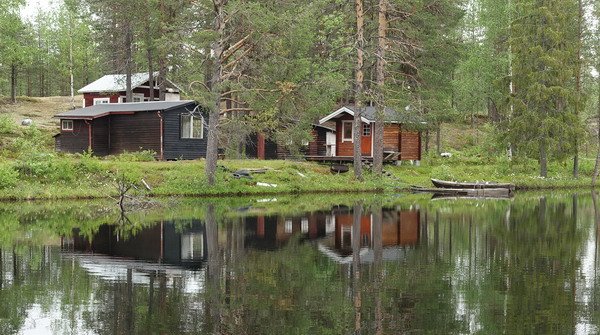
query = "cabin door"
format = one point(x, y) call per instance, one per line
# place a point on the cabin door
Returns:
point(366, 139)
point(330, 143)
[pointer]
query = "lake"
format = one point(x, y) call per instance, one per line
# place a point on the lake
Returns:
point(319, 264)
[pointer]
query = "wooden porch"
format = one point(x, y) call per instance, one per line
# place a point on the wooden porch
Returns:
point(387, 158)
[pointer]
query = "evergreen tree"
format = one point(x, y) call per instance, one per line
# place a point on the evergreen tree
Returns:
point(544, 122)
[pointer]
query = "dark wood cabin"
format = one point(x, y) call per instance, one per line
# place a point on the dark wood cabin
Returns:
point(172, 129)
point(111, 89)
point(260, 146)
point(398, 143)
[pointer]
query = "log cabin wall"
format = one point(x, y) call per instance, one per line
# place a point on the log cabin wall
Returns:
point(134, 132)
point(410, 145)
point(100, 138)
point(88, 98)
point(176, 147)
point(391, 137)
point(75, 141)
point(318, 146)
point(345, 148)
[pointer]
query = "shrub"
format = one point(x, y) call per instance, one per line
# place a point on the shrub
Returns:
point(8, 176)
point(137, 156)
point(46, 167)
point(88, 163)
point(7, 125)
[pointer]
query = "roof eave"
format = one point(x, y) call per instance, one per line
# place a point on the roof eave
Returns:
point(340, 111)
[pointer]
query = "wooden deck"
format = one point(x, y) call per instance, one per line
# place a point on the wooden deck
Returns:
point(344, 159)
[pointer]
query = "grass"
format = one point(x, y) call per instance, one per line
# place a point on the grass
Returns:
point(29, 168)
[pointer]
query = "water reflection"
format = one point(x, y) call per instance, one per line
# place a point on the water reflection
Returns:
point(528, 265)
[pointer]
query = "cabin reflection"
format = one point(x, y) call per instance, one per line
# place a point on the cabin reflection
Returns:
point(333, 229)
point(182, 243)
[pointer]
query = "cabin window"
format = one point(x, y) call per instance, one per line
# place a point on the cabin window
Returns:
point(192, 126)
point(366, 129)
point(66, 125)
point(137, 97)
point(98, 101)
point(347, 131)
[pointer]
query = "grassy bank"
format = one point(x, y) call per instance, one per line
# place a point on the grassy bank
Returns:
point(30, 169)
point(50, 176)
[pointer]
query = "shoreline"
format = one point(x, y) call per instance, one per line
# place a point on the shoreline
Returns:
point(73, 177)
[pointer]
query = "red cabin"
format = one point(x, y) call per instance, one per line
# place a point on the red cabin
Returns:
point(111, 89)
point(398, 142)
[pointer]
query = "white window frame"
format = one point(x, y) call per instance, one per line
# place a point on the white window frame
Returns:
point(194, 117)
point(98, 101)
point(344, 125)
point(140, 96)
point(63, 124)
point(366, 126)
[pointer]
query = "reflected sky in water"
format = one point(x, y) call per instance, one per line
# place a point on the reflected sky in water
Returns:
point(364, 265)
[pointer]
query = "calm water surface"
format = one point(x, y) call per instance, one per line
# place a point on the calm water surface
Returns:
point(310, 265)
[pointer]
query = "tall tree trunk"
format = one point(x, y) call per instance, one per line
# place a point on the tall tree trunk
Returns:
point(543, 157)
point(128, 62)
point(215, 90)
point(578, 86)
point(359, 88)
point(597, 165)
point(162, 61)
point(380, 81)
point(29, 90)
point(150, 51)
point(13, 83)
point(71, 79)
point(438, 138)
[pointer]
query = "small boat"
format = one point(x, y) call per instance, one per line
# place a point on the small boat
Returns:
point(472, 185)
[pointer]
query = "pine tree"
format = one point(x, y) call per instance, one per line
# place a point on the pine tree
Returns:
point(544, 122)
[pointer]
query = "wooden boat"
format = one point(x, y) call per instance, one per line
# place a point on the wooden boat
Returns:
point(474, 185)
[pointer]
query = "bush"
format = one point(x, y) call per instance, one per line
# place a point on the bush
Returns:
point(46, 167)
point(7, 125)
point(8, 176)
point(138, 156)
point(88, 163)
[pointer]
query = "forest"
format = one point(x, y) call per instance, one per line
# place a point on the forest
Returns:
point(526, 71)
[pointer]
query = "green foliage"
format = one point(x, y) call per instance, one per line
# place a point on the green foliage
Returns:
point(32, 141)
point(8, 176)
point(136, 156)
point(443, 172)
point(46, 168)
point(7, 125)
point(544, 123)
